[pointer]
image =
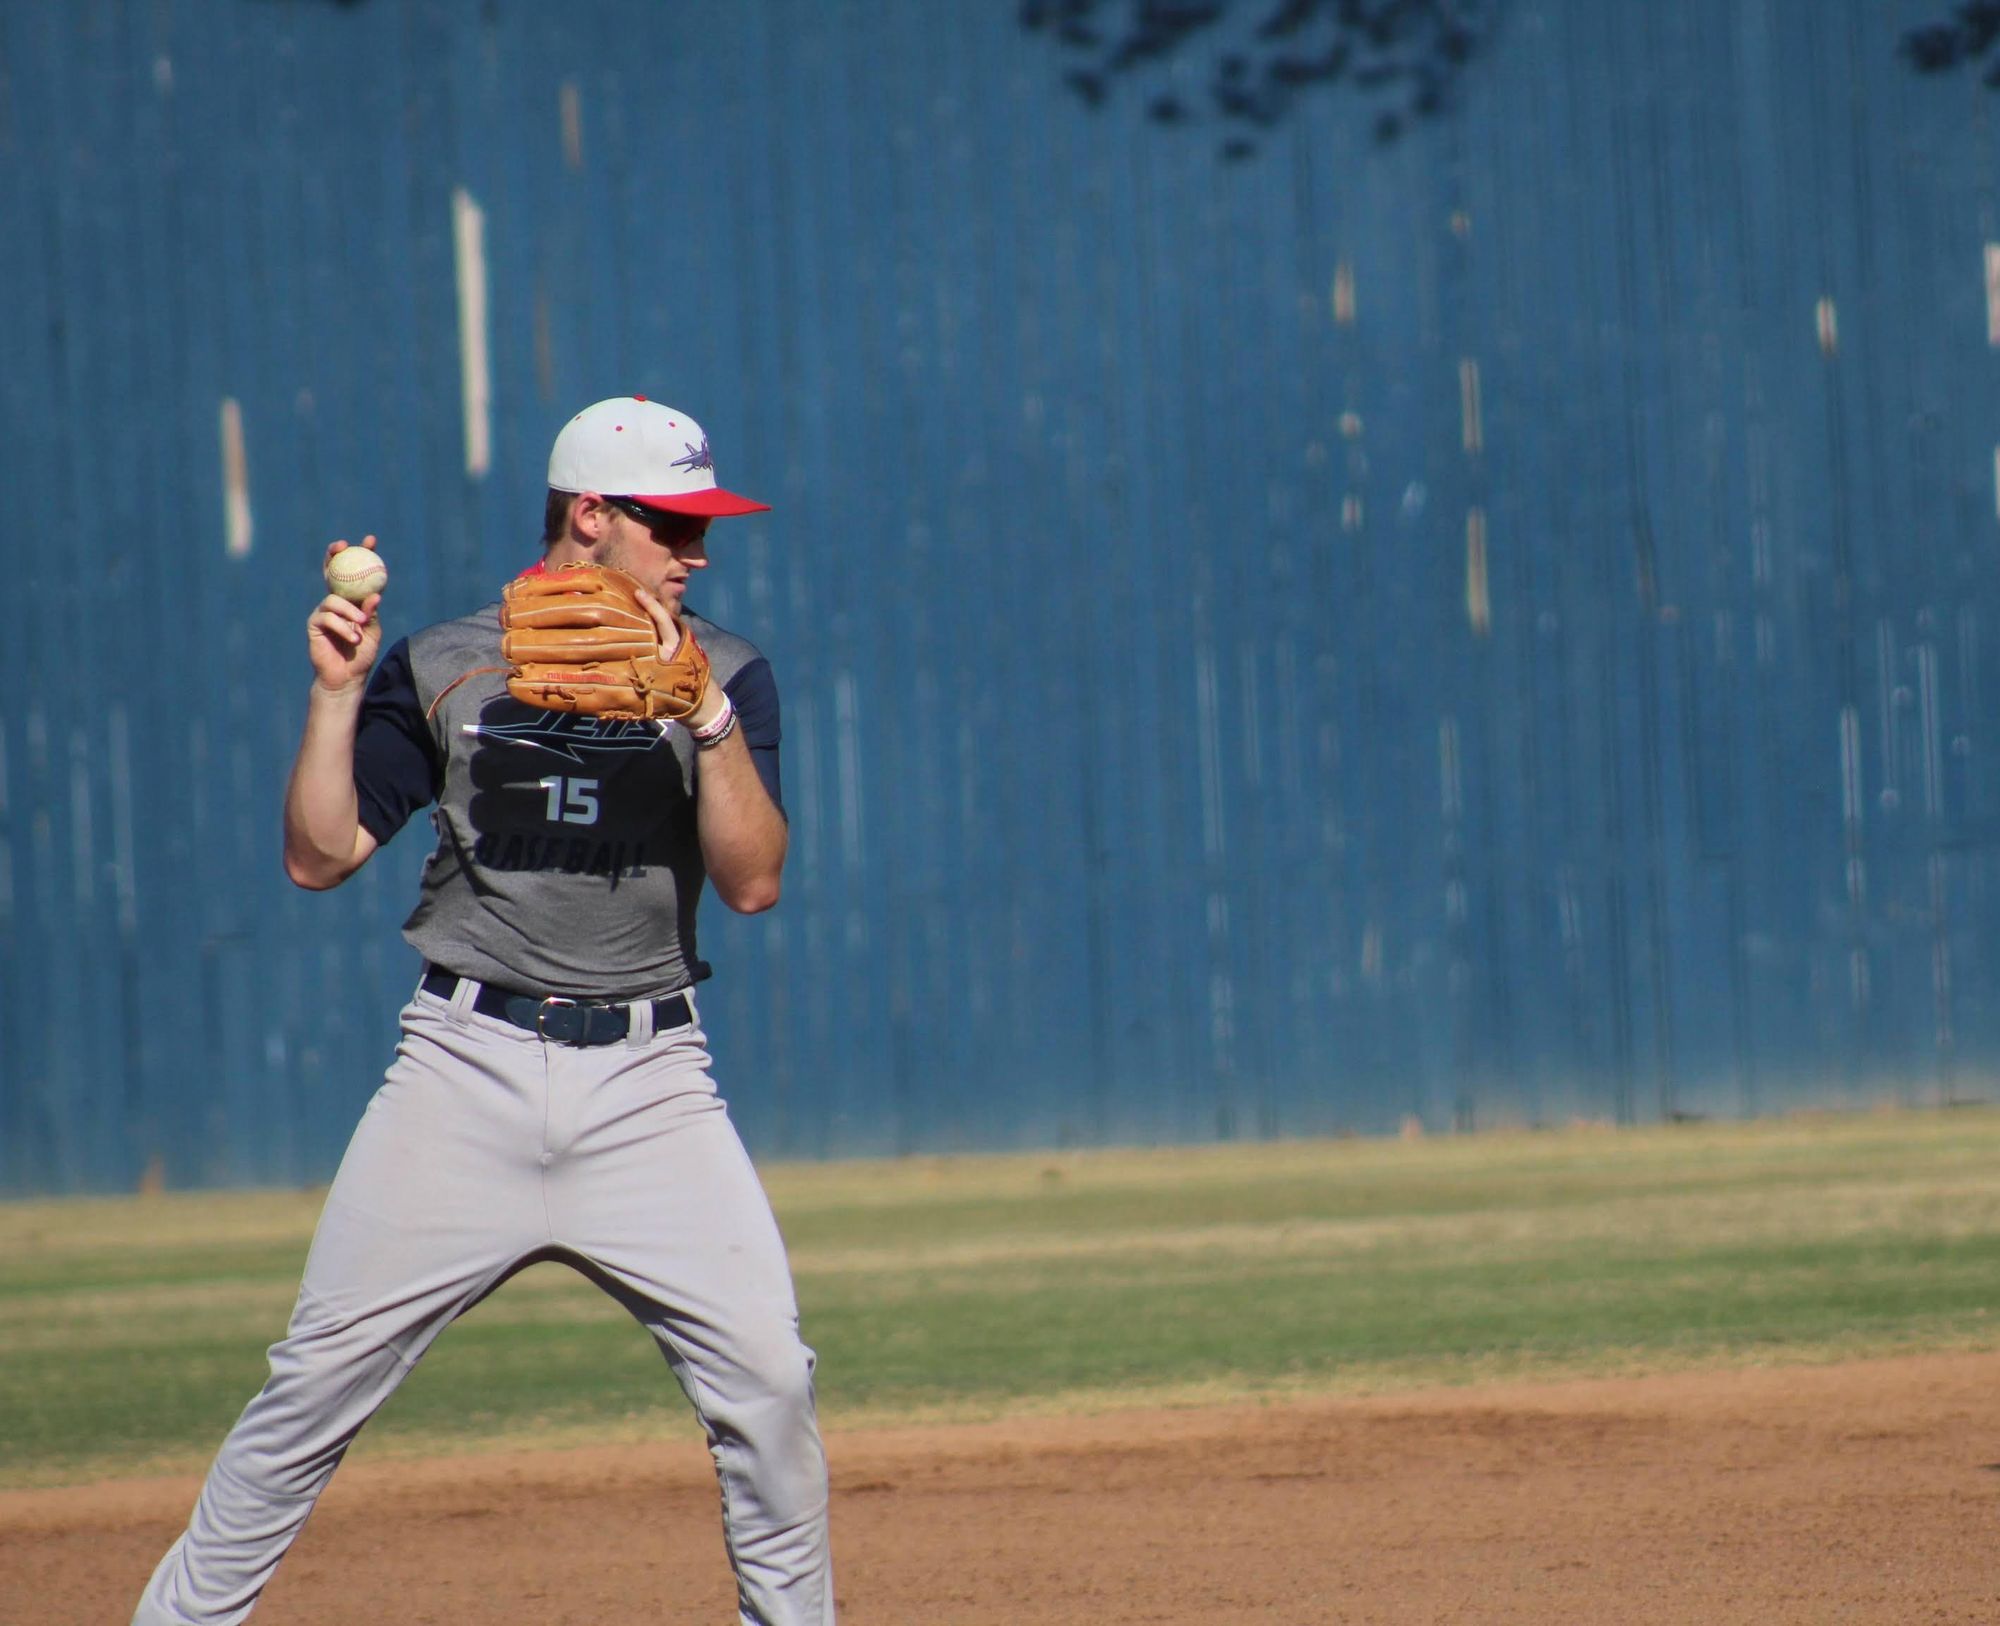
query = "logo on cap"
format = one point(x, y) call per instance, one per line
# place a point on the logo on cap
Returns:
point(695, 459)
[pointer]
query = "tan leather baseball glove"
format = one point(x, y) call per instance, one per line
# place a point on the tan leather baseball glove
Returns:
point(576, 638)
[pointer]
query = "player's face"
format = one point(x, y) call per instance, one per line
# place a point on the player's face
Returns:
point(660, 550)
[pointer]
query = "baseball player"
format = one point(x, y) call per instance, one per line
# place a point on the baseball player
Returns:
point(550, 1097)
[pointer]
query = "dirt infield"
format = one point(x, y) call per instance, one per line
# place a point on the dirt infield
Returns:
point(1858, 1493)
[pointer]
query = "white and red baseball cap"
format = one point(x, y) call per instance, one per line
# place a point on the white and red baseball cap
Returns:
point(631, 447)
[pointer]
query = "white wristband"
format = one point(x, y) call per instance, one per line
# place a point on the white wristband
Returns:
point(718, 728)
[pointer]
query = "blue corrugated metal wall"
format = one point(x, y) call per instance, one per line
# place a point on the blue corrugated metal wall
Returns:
point(1486, 627)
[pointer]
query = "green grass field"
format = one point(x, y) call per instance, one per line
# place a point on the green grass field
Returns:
point(132, 1330)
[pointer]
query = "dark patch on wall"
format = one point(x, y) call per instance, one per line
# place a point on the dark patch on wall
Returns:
point(1965, 40)
point(1405, 57)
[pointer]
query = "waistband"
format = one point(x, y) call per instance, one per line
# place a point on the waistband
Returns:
point(557, 1017)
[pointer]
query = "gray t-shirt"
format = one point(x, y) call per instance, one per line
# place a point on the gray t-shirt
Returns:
point(566, 860)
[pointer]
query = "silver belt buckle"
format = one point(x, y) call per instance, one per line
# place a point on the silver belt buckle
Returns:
point(542, 1015)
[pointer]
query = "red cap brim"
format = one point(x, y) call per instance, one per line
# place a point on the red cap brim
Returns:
point(712, 504)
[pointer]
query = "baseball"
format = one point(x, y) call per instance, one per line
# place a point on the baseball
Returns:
point(354, 573)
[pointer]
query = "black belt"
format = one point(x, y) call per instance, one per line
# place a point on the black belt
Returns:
point(559, 1018)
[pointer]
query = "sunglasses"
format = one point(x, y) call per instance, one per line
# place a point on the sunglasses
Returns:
point(669, 528)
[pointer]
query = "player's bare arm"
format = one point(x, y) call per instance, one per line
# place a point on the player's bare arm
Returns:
point(743, 835)
point(324, 840)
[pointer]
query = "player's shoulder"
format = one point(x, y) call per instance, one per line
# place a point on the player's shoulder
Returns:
point(728, 652)
point(445, 650)
point(450, 639)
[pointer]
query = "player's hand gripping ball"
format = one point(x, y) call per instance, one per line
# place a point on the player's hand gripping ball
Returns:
point(354, 573)
point(576, 638)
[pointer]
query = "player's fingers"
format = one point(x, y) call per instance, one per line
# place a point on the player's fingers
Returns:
point(663, 621)
point(336, 618)
point(334, 604)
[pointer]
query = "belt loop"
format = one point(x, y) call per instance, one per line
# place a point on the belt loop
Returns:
point(641, 1017)
point(461, 999)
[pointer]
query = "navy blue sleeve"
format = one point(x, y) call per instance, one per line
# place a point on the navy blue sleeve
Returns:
point(396, 767)
point(754, 694)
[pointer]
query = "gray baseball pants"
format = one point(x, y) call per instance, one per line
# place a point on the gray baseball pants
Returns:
point(486, 1146)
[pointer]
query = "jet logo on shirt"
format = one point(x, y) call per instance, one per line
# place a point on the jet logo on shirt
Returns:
point(571, 735)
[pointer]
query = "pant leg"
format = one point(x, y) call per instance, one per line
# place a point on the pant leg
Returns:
point(656, 1192)
point(437, 1197)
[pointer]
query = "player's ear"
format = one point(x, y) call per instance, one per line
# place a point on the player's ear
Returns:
point(590, 517)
